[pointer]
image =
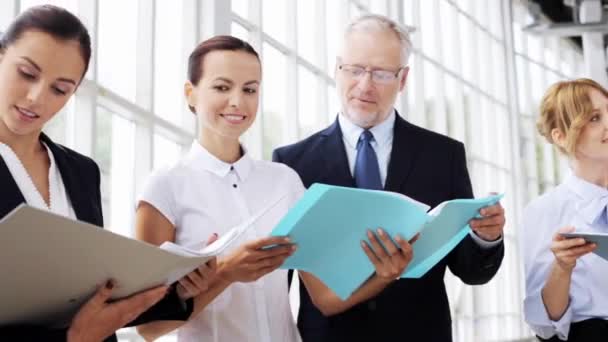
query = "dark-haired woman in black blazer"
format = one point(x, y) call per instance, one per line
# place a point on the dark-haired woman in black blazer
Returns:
point(43, 57)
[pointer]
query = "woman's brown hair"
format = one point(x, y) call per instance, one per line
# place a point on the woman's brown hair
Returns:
point(53, 20)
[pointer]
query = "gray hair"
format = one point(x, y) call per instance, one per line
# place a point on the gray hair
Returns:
point(375, 22)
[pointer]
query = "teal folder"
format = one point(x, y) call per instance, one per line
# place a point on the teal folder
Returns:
point(329, 222)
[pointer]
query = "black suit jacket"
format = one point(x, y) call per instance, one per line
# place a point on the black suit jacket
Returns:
point(430, 168)
point(81, 178)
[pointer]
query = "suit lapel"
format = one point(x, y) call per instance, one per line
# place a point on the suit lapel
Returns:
point(337, 170)
point(403, 155)
point(78, 199)
point(11, 195)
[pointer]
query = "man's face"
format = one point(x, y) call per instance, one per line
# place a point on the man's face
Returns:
point(365, 100)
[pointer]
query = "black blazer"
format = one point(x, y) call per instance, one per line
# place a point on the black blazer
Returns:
point(81, 178)
point(430, 168)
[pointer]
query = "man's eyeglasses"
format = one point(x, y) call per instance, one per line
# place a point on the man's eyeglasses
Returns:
point(378, 75)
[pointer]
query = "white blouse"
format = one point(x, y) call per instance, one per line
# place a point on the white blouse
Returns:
point(59, 201)
point(577, 203)
point(202, 195)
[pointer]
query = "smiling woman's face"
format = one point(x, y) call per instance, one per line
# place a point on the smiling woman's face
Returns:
point(38, 74)
point(226, 97)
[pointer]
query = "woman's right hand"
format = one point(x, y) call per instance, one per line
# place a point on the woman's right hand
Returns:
point(97, 319)
point(568, 250)
point(251, 261)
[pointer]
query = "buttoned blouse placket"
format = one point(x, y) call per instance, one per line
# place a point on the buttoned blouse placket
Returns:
point(251, 234)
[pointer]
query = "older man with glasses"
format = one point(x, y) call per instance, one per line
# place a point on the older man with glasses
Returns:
point(370, 146)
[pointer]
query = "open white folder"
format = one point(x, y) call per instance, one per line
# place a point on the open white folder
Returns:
point(50, 265)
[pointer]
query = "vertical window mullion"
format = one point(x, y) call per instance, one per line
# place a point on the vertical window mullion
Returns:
point(290, 122)
point(321, 39)
point(144, 142)
point(255, 135)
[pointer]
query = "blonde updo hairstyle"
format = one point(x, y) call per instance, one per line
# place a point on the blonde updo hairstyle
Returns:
point(567, 107)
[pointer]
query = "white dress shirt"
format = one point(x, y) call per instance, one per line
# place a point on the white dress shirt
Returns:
point(59, 201)
point(383, 145)
point(577, 203)
point(202, 195)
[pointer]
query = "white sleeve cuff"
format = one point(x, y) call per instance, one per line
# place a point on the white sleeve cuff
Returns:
point(483, 243)
point(562, 327)
point(540, 322)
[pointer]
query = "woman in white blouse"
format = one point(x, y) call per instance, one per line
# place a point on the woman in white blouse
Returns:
point(566, 284)
point(34, 86)
point(216, 186)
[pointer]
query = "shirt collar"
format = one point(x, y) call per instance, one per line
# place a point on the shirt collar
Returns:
point(593, 198)
point(201, 159)
point(383, 132)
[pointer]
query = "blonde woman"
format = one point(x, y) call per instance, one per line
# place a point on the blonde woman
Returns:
point(566, 297)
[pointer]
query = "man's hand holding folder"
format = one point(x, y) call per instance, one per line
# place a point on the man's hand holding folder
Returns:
point(389, 257)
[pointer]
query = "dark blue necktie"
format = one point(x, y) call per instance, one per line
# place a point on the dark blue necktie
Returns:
point(367, 171)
